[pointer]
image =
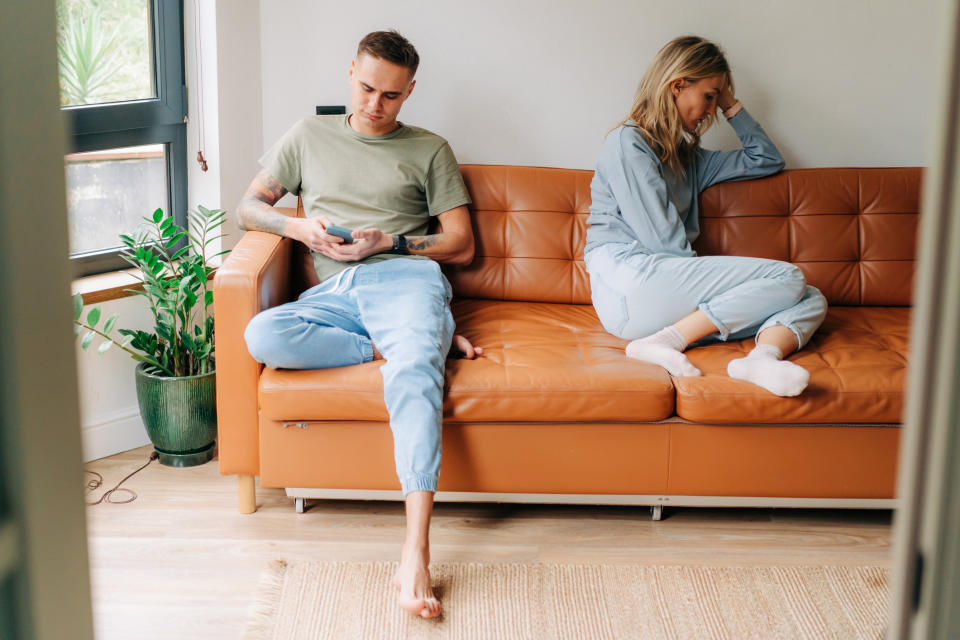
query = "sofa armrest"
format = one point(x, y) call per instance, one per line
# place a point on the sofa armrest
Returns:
point(255, 276)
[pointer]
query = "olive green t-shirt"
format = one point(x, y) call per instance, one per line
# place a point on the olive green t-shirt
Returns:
point(394, 182)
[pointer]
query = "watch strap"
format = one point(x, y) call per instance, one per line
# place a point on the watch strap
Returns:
point(399, 244)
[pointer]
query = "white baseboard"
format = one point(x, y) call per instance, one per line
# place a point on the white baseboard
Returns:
point(113, 433)
point(603, 499)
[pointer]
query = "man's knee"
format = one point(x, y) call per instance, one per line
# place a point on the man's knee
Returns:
point(259, 335)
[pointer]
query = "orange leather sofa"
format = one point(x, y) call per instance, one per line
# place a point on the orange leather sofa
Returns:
point(554, 411)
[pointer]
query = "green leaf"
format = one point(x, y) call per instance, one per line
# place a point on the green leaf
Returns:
point(175, 239)
point(126, 341)
point(213, 223)
point(208, 298)
point(201, 273)
point(158, 215)
point(165, 330)
point(93, 317)
point(166, 223)
point(77, 329)
point(102, 349)
point(87, 339)
point(77, 306)
point(179, 252)
point(111, 321)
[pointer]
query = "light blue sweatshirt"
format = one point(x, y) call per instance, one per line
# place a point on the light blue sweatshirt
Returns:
point(638, 199)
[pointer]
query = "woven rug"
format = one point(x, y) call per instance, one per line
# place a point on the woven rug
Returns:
point(343, 601)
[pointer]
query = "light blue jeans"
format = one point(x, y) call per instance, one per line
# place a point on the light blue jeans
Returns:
point(637, 294)
point(402, 305)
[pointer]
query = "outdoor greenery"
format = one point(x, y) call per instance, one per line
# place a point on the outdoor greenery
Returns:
point(176, 283)
point(104, 48)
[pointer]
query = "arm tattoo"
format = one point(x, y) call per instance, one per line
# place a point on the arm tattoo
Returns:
point(255, 211)
point(422, 243)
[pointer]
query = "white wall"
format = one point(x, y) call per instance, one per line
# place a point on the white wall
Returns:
point(109, 415)
point(203, 103)
point(539, 82)
point(238, 87)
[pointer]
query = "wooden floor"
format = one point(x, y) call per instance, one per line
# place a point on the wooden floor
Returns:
point(181, 562)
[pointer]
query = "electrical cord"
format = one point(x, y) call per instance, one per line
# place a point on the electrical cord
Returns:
point(97, 481)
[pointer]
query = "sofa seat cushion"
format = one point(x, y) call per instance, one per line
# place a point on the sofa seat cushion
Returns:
point(857, 362)
point(542, 363)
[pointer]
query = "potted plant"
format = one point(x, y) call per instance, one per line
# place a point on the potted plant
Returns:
point(175, 379)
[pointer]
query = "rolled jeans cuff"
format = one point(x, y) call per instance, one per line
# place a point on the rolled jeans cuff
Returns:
point(418, 483)
point(721, 327)
point(366, 348)
point(796, 332)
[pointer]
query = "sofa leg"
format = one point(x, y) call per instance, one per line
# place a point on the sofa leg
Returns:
point(248, 494)
point(656, 511)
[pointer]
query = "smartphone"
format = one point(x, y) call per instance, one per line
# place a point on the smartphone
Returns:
point(341, 232)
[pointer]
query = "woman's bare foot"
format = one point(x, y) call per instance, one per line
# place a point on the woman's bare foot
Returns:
point(412, 580)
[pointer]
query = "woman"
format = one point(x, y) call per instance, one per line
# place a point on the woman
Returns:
point(648, 285)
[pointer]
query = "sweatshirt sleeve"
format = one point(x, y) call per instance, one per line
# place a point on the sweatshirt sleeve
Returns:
point(759, 157)
point(637, 185)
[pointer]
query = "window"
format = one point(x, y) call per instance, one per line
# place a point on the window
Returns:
point(122, 89)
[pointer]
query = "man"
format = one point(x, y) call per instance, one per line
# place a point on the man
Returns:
point(382, 293)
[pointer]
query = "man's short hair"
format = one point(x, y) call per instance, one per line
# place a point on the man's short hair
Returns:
point(392, 47)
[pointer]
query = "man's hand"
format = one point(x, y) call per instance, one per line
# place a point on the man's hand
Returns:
point(365, 243)
point(313, 233)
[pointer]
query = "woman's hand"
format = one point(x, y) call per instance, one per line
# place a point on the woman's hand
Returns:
point(726, 100)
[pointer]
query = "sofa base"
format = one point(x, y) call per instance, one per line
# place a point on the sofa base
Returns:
point(655, 502)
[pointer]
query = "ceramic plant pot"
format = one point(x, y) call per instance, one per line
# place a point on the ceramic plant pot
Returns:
point(180, 415)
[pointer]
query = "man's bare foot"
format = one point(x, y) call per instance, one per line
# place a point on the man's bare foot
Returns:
point(462, 348)
point(412, 580)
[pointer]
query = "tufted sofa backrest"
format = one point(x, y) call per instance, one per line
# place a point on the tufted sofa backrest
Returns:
point(851, 231)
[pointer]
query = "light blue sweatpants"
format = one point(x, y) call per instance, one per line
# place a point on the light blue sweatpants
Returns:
point(402, 305)
point(637, 294)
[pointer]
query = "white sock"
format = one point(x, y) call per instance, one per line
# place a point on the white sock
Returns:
point(664, 348)
point(765, 367)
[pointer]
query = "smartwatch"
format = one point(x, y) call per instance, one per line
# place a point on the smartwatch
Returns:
point(399, 244)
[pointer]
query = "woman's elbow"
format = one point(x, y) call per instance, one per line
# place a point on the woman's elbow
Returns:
point(775, 161)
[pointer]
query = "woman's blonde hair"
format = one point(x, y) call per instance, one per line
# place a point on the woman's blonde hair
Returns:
point(654, 110)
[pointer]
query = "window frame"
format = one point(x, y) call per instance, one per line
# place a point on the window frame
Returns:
point(158, 120)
